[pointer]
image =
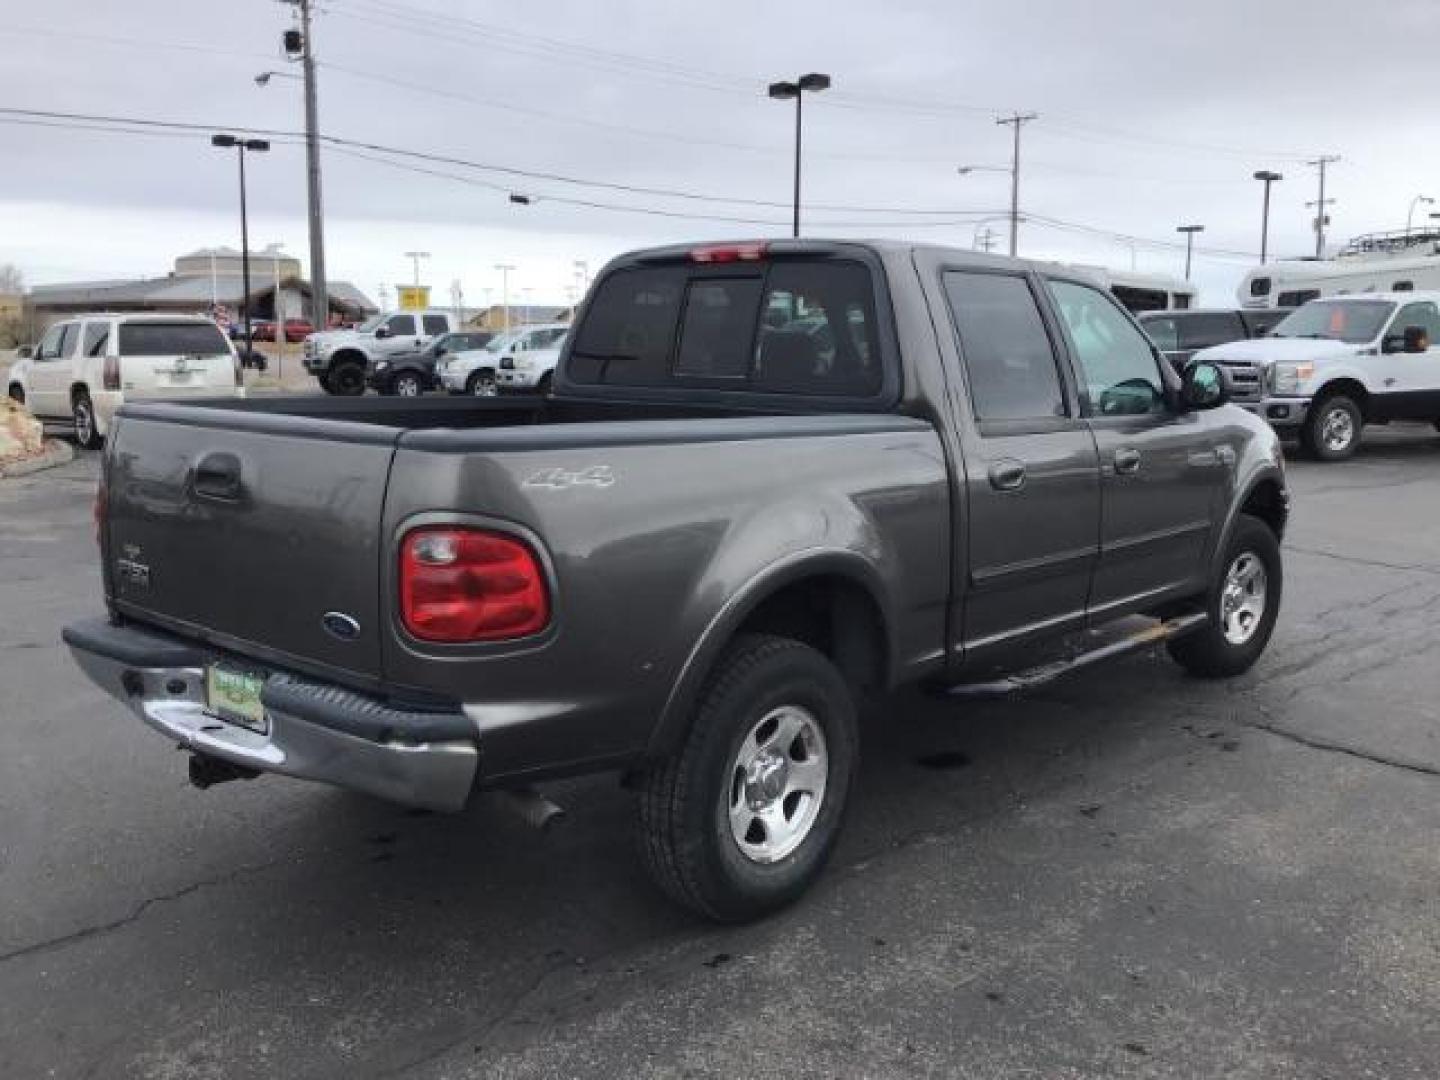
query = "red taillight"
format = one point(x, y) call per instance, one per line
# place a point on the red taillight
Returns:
point(110, 373)
point(463, 584)
point(728, 253)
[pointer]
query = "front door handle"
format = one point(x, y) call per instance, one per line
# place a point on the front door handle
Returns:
point(1127, 460)
point(1007, 475)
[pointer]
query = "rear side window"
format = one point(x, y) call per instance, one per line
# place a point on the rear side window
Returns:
point(1201, 330)
point(171, 339)
point(436, 324)
point(400, 325)
point(1008, 357)
point(794, 327)
point(67, 339)
point(96, 335)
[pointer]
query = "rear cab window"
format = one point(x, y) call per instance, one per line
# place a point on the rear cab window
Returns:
point(155, 338)
point(791, 325)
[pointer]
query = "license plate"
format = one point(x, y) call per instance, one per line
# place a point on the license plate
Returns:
point(234, 695)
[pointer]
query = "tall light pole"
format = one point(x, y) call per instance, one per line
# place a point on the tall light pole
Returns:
point(1189, 231)
point(1266, 177)
point(783, 91)
point(1410, 217)
point(257, 146)
point(505, 269)
point(582, 271)
point(300, 44)
point(1320, 215)
point(1016, 121)
point(415, 257)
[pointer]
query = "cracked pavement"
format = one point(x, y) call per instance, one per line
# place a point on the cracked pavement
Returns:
point(1131, 874)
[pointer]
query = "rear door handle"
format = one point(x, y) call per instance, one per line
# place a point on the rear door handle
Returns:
point(1007, 475)
point(217, 476)
point(1127, 460)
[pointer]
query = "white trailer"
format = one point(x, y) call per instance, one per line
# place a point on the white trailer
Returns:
point(1400, 261)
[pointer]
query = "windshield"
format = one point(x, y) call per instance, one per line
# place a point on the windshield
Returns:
point(1352, 321)
point(501, 342)
point(370, 324)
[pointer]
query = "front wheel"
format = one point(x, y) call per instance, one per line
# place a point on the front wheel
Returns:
point(482, 384)
point(406, 384)
point(87, 436)
point(1243, 604)
point(347, 380)
point(741, 819)
point(17, 393)
point(1332, 430)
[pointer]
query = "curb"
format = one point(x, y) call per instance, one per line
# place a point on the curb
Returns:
point(56, 453)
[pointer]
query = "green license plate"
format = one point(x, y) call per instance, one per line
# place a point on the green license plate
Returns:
point(234, 695)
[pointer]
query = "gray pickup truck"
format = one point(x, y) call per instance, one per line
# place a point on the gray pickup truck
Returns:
point(775, 481)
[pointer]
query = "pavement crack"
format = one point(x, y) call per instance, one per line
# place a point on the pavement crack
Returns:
point(1326, 745)
point(1355, 560)
point(137, 912)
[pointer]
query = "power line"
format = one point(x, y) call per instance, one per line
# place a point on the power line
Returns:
point(109, 39)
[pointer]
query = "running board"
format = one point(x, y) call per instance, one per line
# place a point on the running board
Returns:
point(1022, 681)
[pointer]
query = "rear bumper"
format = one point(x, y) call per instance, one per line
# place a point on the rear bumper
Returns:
point(315, 731)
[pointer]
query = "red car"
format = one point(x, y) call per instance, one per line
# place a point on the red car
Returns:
point(298, 329)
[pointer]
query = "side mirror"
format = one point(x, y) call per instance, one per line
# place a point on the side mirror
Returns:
point(1417, 339)
point(1204, 386)
point(382, 331)
point(25, 352)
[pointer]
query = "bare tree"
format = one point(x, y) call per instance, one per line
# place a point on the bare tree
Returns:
point(11, 279)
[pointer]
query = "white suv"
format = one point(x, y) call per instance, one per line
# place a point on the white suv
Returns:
point(485, 372)
point(86, 367)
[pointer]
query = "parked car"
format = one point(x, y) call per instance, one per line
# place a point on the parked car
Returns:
point(341, 360)
point(530, 370)
point(1181, 334)
point(1337, 364)
point(477, 371)
point(85, 367)
point(411, 373)
point(700, 558)
point(296, 329)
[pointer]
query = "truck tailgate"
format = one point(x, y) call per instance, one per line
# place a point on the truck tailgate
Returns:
point(250, 537)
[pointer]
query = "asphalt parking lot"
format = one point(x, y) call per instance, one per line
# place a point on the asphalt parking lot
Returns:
point(1130, 874)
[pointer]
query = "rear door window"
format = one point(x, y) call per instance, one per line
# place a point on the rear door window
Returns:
point(68, 334)
point(96, 335)
point(400, 325)
point(436, 324)
point(171, 339)
point(1009, 360)
point(791, 327)
point(1203, 329)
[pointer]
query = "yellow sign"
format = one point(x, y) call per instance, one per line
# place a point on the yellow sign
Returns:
point(413, 297)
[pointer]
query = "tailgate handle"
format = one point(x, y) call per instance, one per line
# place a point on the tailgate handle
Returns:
point(217, 476)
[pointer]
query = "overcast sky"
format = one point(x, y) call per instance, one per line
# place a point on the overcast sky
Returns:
point(1151, 114)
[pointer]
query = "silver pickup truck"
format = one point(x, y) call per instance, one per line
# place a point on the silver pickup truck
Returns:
point(775, 481)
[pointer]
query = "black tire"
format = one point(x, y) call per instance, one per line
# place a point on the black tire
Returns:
point(1208, 652)
point(687, 840)
point(1332, 430)
point(406, 384)
point(347, 380)
point(83, 413)
point(482, 384)
point(17, 393)
point(547, 381)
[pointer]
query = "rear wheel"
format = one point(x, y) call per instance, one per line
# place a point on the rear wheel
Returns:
point(17, 393)
point(1243, 604)
point(406, 384)
point(742, 818)
point(482, 384)
point(1332, 430)
point(347, 380)
point(83, 411)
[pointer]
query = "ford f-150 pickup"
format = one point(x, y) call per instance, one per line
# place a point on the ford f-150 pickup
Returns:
point(774, 481)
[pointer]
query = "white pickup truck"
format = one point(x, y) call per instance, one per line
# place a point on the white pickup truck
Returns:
point(1337, 364)
point(342, 359)
point(87, 366)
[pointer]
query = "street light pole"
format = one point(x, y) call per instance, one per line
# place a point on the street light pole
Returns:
point(782, 91)
point(241, 145)
point(1189, 231)
point(1266, 177)
point(505, 269)
point(1410, 217)
point(415, 257)
point(1016, 121)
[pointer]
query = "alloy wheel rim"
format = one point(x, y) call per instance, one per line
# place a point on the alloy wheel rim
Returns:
point(83, 422)
point(407, 388)
point(1337, 429)
point(777, 783)
point(1242, 598)
point(485, 386)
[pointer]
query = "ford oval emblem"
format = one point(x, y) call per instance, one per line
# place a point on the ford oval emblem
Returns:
point(341, 625)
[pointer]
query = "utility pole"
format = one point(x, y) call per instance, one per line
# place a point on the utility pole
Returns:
point(301, 43)
point(1266, 177)
point(1189, 231)
point(1015, 121)
point(505, 269)
point(985, 239)
point(1320, 204)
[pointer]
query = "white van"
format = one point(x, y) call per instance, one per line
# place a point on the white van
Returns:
point(87, 366)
